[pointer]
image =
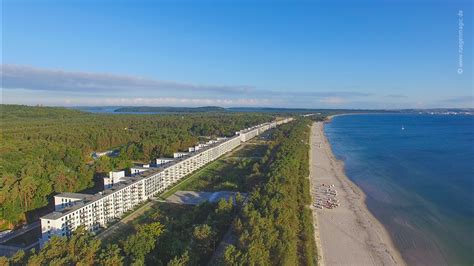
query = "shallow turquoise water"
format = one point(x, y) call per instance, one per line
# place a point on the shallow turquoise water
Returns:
point(418, 181)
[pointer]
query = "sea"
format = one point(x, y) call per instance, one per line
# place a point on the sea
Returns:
point(418, 174)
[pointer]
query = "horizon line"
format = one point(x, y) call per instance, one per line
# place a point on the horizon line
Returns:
point(235, 107)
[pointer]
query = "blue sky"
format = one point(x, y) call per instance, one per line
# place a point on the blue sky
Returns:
point(316, 54)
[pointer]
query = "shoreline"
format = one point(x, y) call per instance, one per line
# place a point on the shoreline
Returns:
point(348, 234)
point(329, 118)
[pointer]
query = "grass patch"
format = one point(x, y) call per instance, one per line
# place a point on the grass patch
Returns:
point(216, 176)
point(252, 150)
point(232, 172)
point(182, 185)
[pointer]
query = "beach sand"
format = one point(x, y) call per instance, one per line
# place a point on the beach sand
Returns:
point(348, 234)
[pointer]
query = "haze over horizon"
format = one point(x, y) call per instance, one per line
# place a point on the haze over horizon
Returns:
point(370, 55)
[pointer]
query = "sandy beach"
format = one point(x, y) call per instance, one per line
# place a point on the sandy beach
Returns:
point(348, 234)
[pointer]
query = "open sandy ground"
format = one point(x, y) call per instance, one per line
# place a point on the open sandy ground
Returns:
point(348, 234)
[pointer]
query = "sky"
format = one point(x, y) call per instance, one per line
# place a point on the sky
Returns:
point(305, 54)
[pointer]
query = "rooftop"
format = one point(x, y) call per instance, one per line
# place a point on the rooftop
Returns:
point(73, 195)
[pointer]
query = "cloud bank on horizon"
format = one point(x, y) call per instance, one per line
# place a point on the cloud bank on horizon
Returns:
point(32, 85)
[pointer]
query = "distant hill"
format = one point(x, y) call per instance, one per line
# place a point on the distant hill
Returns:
point(169, 109)
point(269, 110)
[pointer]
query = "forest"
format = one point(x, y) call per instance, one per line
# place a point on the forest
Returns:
point(273, 228)
point(46, 150)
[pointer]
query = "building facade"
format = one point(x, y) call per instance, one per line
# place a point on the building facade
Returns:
point(123, 194)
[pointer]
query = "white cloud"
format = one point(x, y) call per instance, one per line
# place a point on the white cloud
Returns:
point(333, 100)
point(32, 85)
point(47, 98)
point(174, 101)
point(31, 78)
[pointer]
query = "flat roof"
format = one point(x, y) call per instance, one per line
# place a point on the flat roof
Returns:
point(52, 216)
point(73, 195)
point(143, 168)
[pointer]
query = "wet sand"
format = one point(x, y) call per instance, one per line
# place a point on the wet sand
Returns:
point(348, 234)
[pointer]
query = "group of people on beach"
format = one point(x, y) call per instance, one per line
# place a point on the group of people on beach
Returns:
point(326, 197)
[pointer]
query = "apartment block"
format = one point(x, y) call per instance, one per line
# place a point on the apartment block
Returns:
point(123, 193)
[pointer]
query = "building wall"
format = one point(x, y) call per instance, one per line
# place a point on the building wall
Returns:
point(113, 178)
point(98, 213)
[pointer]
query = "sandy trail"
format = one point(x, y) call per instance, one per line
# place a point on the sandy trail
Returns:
point(348, 234)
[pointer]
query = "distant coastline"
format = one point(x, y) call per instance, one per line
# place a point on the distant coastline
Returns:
point(407, 112)
point(217, 109)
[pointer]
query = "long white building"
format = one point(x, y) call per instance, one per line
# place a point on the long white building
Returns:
point(125, 193)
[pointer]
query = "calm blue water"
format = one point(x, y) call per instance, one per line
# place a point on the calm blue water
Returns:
point(419, 181)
